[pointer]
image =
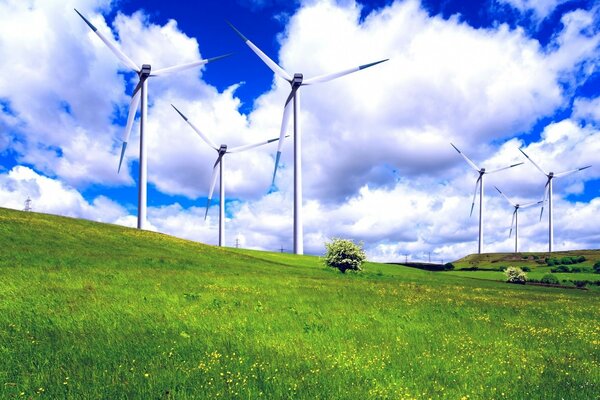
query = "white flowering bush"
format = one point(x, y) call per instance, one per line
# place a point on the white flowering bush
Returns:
point(344, 255)
point(515, 275)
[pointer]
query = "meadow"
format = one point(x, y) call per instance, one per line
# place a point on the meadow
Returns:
point(90, 311)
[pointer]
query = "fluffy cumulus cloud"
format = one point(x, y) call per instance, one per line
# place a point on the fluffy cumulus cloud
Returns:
point(540, 9)
point(377, 163)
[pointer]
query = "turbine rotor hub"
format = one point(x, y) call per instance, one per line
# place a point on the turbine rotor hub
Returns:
point(551, 175)
point(297, 81)
point(223, 149)
point(145, 72)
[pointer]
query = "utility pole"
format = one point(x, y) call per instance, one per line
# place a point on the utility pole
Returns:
point(429, 257)
point(281, 250)
point(405, 258)
point(237, 242)
point(27, 204)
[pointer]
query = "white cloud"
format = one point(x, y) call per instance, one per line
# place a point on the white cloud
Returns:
point(54, 197)
point(540, 8)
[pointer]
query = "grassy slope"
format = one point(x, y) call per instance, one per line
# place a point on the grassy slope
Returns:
point(493, 261)
point(97, 311)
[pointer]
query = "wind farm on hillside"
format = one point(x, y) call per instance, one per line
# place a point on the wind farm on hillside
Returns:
point(353, 266)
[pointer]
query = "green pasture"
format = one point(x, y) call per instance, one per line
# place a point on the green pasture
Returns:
point(95, 311)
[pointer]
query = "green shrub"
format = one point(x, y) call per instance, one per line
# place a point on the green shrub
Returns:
point(549, 279)
point(344, 255)
point(551, 262)
point(561, 268)
point(515, 275)
point(580, 284)
point(526, 269)
point(580, 259)
point(536, 257)
point(575, 269)
point(597, 267)
point(448, 266)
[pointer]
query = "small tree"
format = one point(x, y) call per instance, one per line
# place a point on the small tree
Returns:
point(344, 255)
point(597, 267)
point(549, 279)
point(515, 275)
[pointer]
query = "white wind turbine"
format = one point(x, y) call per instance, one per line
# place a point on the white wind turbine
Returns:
point(221, 150)
point(548, 194)
point(479, 183)
point(515, 217)
point(296, 81)
point(140, 92)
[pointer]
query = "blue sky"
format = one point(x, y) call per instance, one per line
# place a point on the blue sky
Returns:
point(490, 76)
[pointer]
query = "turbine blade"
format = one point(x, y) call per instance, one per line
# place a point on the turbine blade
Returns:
point(531, 204)
point(198, 131)
point(546, 189)
point(475, 194)
point(182, 67)
point(467, 159)
point(335, 75)
point(503, 195)
point(251, 146)
point(116, 51)
point(533, 162)
point(284, 122)
point(561, 174)
point(270, 63)
point(502, 169)
point(133, 106)
point(213, 181)
point(512, 223)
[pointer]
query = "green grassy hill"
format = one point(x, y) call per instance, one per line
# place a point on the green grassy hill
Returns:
point(89, 310)
point(531, 260)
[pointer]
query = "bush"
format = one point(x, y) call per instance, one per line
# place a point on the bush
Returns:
point(515, 275)
point(448, 267)
point(344, 255)
point(549, 279)
point(575, 269)
point(580, 259)
point(597, 267)
point(561, 268)
point(580, 284)
point(551, 262)
point(526, 269)
point(536, 257)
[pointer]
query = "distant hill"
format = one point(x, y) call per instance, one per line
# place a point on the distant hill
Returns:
point(532, 260)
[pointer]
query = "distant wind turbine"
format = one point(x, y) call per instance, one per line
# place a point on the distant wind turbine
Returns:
point(479, 183)
point(515, 217)
point(140, 92)
point(548, 194)
point(221, 150)
point(296, 81)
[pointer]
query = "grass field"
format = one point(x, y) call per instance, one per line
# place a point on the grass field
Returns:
point(94, 311)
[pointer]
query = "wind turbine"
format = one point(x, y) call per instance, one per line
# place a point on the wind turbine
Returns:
point(140, 92)
point(548, 194)
point(515, 217)
point(296, 81)
point(479, 183)
point(221, 150)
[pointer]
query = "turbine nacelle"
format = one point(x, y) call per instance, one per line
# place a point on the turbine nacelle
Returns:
point(297, 81)
point(145, 71)
point(222, 150)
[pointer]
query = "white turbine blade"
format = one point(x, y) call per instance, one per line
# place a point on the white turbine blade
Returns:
point(471, 163)
point(335, 75)
point(198, 131)
point(503, 195)
point(213, 181)
point(533, 162)
point(270, 63)
point(502, 169)
point(116, 51)
point(531, 204)
point(183, 67)
point(133, 106)
point(546, 189)
point(475, 194)
point(284, 122)
point(512, 223)
point(561, 174)
point(251, 146)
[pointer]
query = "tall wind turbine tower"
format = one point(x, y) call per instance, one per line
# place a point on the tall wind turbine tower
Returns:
point(515, 217)
point(140, 93)
point(221, 150)
point(548, 194)
point(296, 81)
point(479, 185)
